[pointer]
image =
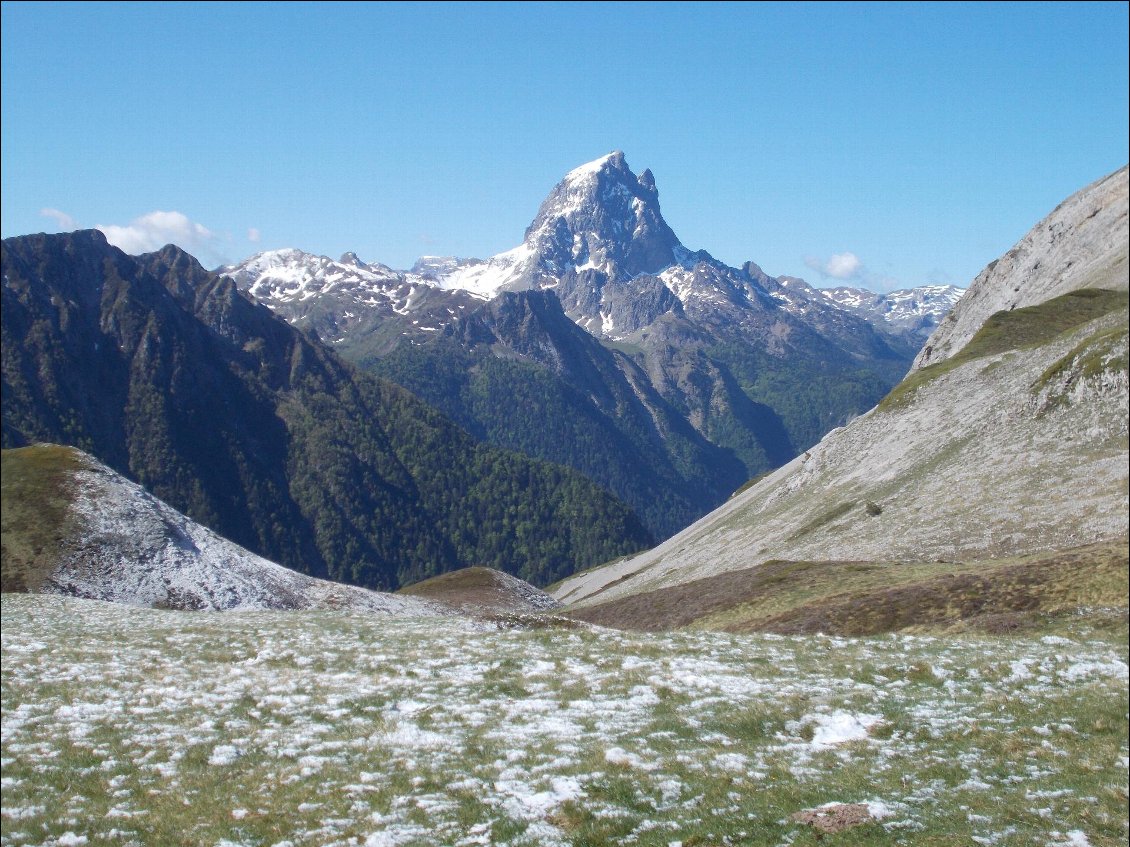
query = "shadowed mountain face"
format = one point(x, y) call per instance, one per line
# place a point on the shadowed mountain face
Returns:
point(175, 378)
point(1008, 439)
point(659, 372)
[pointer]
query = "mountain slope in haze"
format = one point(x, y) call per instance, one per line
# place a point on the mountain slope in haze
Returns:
point(913, 312)
point(173, 377)
point(708, 375)
point(73, 526)
point(1015, 444)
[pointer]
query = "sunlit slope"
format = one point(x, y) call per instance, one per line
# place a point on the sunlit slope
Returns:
point(1081, 244)
point(1015, 444)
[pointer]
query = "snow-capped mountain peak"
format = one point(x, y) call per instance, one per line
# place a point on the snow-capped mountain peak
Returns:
point(600, 242)
point(599, 218)
point(584, 172)
point(290, 275)
point(602, 216)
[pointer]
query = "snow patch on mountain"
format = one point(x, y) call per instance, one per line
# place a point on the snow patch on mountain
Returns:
point(290, 274)
point(925, 301)
point(598, 232)
point(914, 310)
point(590, 169)
point(486, 279)
point(129, 547)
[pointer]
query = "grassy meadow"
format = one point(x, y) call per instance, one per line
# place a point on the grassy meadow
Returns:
point(126, 726)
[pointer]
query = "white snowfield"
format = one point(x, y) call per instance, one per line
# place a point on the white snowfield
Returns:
point(487, 279)
point(129, 547)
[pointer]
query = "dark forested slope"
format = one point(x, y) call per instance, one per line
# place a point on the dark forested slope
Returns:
point(172, 376)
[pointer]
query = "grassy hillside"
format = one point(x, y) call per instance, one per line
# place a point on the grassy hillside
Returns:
point(36, 491)
point(1018, 329)
point(868, 598)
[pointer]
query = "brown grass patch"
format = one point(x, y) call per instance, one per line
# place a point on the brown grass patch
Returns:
point(475, 590)
point(36, 492)
point(868, 598)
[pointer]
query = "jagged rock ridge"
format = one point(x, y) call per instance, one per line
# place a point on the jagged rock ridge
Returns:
point(598, 240)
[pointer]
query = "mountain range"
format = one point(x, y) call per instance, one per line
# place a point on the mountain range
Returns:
point(602, 343)
point(180, 382)
point(996, 469)
point(997, 466)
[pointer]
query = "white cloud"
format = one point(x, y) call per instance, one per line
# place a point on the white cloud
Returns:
point(156, 229)
point(62, 219)
point(844, 265)
point(253, 235)
point(848, 267)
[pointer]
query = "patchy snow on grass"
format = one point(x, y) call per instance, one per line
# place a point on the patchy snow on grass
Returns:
point(127, 725)
point(840, 727)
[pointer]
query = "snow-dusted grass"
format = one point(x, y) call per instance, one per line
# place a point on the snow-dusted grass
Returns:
point(125, 725)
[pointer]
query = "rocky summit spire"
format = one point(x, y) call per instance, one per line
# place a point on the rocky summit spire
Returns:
point(602, 216)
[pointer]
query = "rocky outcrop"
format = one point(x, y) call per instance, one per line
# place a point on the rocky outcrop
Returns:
point(1081, 244)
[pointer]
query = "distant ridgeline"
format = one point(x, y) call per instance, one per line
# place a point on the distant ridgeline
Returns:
point(604, 344)
point(172, 376)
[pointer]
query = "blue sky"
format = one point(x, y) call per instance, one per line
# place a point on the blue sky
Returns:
point(921, 139)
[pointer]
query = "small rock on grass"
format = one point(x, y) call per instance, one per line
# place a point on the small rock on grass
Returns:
point(835, 817)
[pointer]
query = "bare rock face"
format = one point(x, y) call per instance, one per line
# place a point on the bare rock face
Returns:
point(603, 216)
point(1081, 244)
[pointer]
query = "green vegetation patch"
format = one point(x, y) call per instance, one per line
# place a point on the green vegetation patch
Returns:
point(1092, 357)
point(1018, 329)
point(37, 490)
